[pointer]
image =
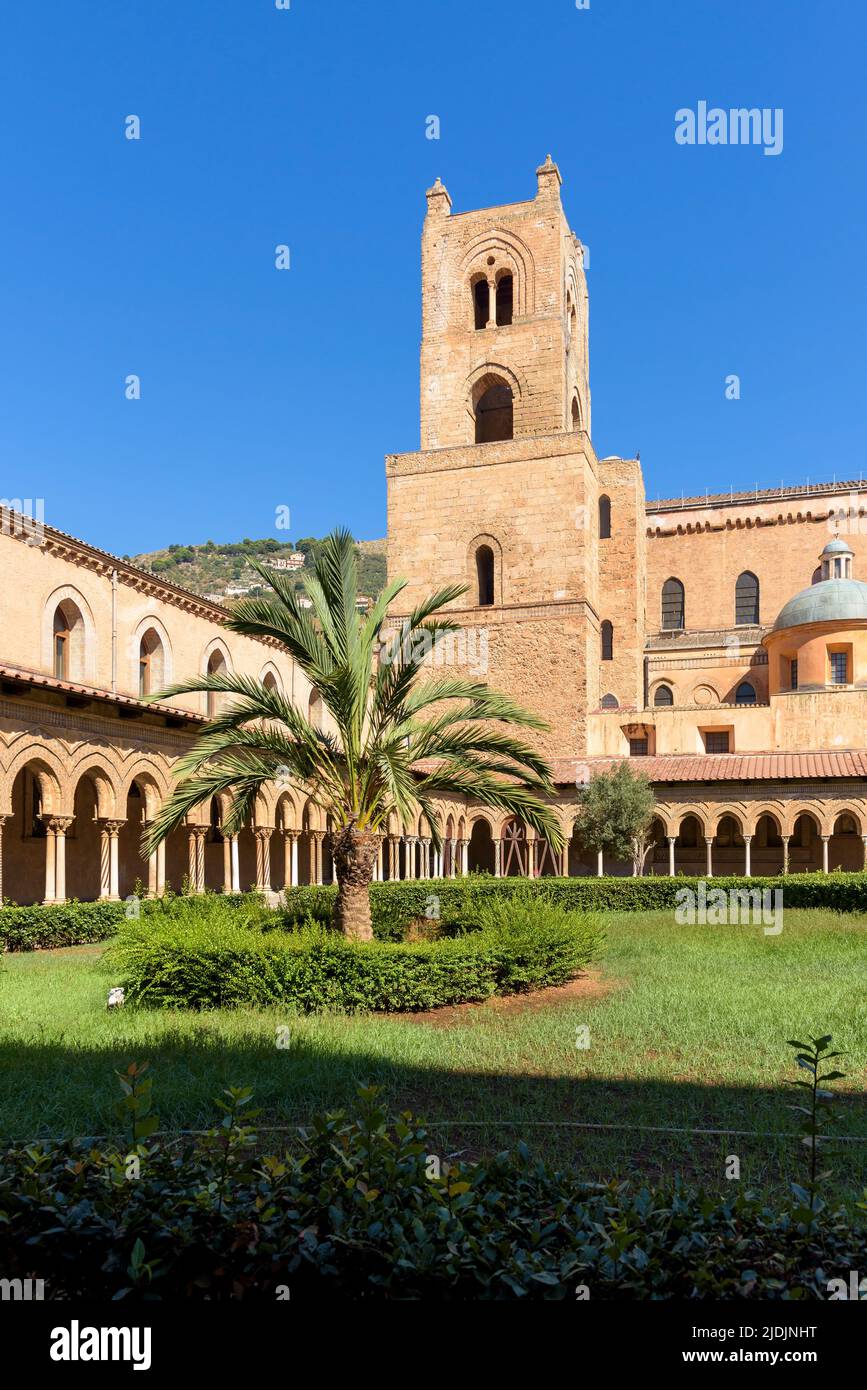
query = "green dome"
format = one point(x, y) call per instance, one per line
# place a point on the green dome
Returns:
point(829, 601)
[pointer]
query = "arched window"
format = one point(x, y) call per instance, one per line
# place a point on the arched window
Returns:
point(151, 673)
point(747, 598)
point(485, 576)
point(505, 296)
point(745, 694)
point(609, 702)
point(216, 667)
point(270, 681)
point(67, 659)
point(604, 518)
point(61, 646)
point(576, 420)
point(606, 632)
point(494, 413)
point(480, 303)
point(672, 605)
point(663, 695)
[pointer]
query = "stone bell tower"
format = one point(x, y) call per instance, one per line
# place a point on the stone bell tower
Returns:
point(504, 320)
point(504, 495)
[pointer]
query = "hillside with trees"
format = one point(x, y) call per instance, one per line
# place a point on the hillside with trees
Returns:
point(224, 572)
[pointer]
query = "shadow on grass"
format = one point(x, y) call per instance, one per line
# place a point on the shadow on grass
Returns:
point(53, 1090)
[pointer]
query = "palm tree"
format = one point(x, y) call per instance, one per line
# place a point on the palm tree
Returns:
point(399, 740)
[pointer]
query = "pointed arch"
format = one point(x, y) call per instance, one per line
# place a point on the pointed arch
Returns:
point(746, 599)
point(673, 605)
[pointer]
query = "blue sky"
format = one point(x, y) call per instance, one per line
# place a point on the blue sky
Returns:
point(260, 126)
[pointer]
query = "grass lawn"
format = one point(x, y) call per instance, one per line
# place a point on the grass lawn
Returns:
point(688, 1029)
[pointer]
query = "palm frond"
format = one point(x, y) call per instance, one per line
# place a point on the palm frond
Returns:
point(395, 738)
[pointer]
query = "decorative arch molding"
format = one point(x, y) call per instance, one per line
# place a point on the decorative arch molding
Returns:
point(270, 669)
point(261, 812)
point(666, 817)
point(814, 809)
point(704, 696)
point(312, 817)
point(285, 814)
point(216, 644)
point(487, 374)
point(833, 814)
point(210, 701)
point(476, 816)
point(736, 812)
point(49, 770)
point(516, 252)
point(106, 777)
point(153, 781)
point(64, 593)
point(774, 812)
point(149, 622)
point(662, 683)
point(680, 813)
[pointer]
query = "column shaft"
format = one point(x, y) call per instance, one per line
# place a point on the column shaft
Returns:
point(49, 865)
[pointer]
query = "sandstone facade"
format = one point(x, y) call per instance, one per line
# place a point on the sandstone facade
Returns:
point(638, 628)
point(642, 629)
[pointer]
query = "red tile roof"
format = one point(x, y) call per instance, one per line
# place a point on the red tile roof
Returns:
point(725, 767)
point(91, 692)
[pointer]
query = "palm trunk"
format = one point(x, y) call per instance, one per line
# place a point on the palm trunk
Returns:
point(354, 853)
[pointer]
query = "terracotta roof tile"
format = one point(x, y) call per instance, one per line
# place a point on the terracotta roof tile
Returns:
point(726, 767)
point(92, 692)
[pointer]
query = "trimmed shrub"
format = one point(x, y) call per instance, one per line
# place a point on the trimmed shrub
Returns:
point(395, 906)
point(68, 924)
point(214, 963)
point(353, 1210)
point(77, 924)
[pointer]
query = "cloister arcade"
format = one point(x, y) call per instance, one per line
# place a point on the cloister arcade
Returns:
point(72, 829)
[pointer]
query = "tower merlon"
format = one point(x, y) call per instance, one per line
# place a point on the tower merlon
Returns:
point(549, 179)
point(439, 202)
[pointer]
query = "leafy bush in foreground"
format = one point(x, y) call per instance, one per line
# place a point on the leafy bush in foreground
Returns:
point(357, 1209)
point(213, 963)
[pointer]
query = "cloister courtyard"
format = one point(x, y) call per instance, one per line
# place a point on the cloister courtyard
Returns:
point(73, 831)
point(685, 1061)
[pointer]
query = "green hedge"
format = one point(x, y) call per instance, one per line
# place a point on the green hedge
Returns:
point(395, 905)
point(355, 1209)
point(217, 964)
point(77, 924)
point(71, 924)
